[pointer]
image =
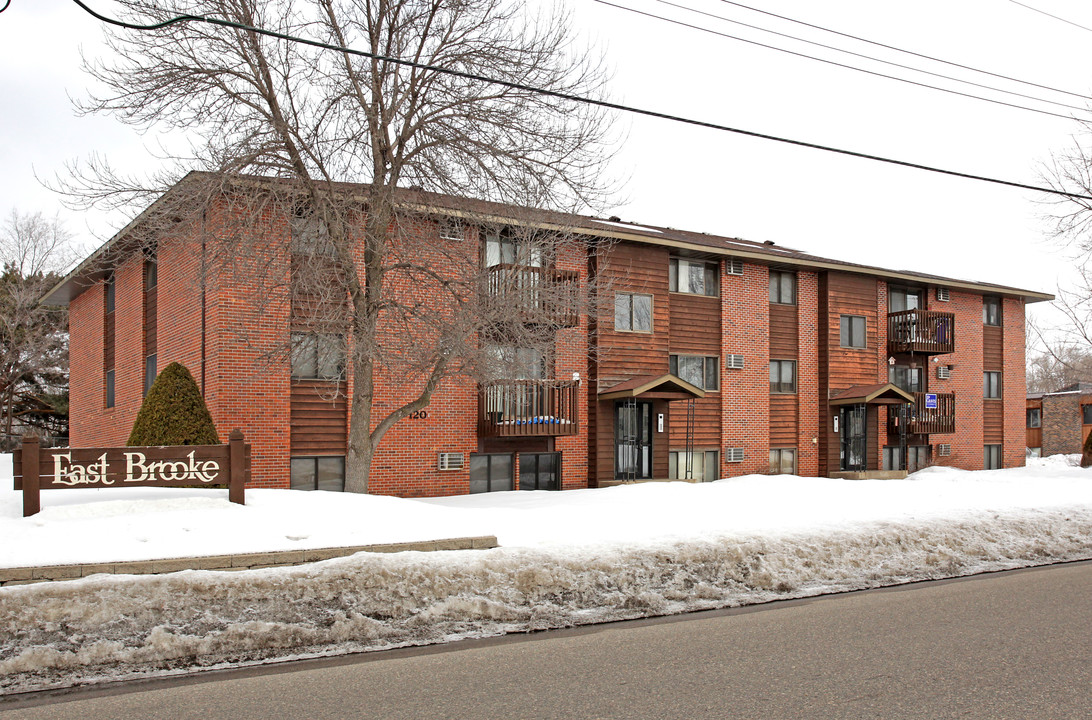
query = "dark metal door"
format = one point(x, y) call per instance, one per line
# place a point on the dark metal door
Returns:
point(540, 471)
point(633, 440)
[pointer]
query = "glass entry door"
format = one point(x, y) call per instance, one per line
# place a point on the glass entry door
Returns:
point(633, 440)
point(854, 438)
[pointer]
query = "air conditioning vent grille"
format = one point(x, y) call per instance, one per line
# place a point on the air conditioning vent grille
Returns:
point(733, 454)
point(734, 362)
point(450, 461)
point(942, 294)
point(944, 372)
point(944, 450)
point(733, 266)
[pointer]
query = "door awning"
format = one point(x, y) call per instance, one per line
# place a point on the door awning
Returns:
point(883, 394)
point(653, 387)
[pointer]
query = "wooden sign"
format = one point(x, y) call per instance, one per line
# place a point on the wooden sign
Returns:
point(38, 468)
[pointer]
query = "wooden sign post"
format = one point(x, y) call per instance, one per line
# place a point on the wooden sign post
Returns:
point(37, 468)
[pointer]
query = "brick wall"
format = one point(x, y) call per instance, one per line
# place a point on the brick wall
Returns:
point(1061, 424)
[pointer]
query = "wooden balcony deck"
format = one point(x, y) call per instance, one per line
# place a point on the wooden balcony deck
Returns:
point(920, 420)
point(925, 332)
point(528, 408)
point(536, 294)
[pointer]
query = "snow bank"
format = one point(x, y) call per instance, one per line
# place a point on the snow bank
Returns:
point(568, 559)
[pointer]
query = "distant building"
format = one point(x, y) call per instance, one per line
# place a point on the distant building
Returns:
point(1058, 422)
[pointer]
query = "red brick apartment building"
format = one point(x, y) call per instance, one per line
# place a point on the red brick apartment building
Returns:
point(713, 357)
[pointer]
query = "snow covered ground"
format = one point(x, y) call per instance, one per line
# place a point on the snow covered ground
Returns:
point(565, 558)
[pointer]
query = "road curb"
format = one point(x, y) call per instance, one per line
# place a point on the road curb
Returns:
point(240, 561)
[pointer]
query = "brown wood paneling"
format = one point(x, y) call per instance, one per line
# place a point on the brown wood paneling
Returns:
point(150, 321)
point(783, 420)
point(694, 324)
point(624, 355)
point(706, 422)
point(993, 351)
point(850, 295)
point(993, 421)
point(784, 332)
point(1035, 437)
point(318, 417)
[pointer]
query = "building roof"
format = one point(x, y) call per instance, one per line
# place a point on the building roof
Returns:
point(669, 387)
point(613, 228)
point(880, 394)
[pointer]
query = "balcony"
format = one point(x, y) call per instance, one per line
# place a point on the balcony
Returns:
point(536, 294)
point(923, 332)
point(528, 408)
point(920, 420)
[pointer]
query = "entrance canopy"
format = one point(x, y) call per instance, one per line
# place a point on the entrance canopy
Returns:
point(884, 394)
point(653, 387)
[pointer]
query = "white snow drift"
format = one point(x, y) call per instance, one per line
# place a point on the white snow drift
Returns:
point(566, 558)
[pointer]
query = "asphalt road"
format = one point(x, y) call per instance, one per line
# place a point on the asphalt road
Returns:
point(1007, 645)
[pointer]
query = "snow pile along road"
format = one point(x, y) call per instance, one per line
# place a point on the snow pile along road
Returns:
point(567, 558)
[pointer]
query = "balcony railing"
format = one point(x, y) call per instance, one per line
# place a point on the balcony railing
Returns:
point(919, 419)
point(528, 408)
point(921, 331)
point(537, 294)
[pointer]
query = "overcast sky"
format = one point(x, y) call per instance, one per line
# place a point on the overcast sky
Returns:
point(712, 181)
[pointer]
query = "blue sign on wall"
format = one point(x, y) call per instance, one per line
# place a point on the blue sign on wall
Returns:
point(930, 401)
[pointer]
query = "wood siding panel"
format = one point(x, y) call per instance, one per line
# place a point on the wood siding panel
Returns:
point(151, 322)
point(318, 419)
point(706, 423)
point(993, 421)
point(1035, 437)
point(993, 350)
point(783, 421)
point(784, 332)
point(851, 295)
point(694, 324)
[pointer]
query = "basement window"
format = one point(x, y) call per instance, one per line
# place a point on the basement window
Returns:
point(318, 473)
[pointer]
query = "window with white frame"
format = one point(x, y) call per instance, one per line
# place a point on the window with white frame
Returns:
point(698, 370)
point(703, 466)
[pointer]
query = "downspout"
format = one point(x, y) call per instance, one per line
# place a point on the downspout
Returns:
point(204, 270)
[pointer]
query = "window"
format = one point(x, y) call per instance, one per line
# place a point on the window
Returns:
point(703, 465)
point(318, 473)
point(1035, 417)
point(917, 457)
point(151, 274)
point(693, 276)
point(1086, 414)
point(109, 388)
point(502, 249)
point(991, 311)
point(1034, 452)
point(110, 293)
point(149, 372)
point(451, 229)
point(991, 385)
point(905, 378)
point(310, 235)
point(632, 312)
point(782, 287)
point(697, 370)
point(782, 461)
point(901, 299)
point(515, 363)
point(853, 331)
point(782, 376)
point(317, 356)
point(491, 472)
point(991, 457)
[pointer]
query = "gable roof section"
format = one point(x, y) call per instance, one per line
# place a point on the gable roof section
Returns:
point(666, 387)
point(881, 394)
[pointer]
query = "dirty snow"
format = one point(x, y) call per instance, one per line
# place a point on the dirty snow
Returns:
point(566, 559)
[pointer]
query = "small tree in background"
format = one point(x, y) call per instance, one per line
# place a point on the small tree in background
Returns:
point(174, 413)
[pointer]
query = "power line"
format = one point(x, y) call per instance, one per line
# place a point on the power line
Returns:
point(907, 52)
point(1044, 12)
point(574, 98)
point(911, 68)
point(833, 62)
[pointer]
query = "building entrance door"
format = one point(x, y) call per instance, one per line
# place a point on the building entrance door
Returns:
point(633, 440)
point(854, 438)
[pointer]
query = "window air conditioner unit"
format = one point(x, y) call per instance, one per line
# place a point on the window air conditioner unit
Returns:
point(944, 372)
point(733, 454)
point(944, 450)
point(942, 294)
point(734, 362)
point(451, 230)
point(733, 266)
point(450, 461)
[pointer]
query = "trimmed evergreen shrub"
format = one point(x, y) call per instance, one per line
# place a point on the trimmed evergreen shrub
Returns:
point(174, 413)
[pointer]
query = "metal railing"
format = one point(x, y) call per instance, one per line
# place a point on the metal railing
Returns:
point(528, 408)
point(921, 331)
point(919, 419)
point(537, 294)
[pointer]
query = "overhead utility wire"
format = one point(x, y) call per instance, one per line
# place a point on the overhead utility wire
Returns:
point(1044, 12)
point(908, 52)
point(1082, 108)
point(575, 98)
point(831, 62)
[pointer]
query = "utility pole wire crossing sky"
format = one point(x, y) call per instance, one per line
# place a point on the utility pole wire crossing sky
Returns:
point(574, 98)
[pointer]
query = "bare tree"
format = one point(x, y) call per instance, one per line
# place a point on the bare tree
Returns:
point(317, 119)
point(33, 339)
